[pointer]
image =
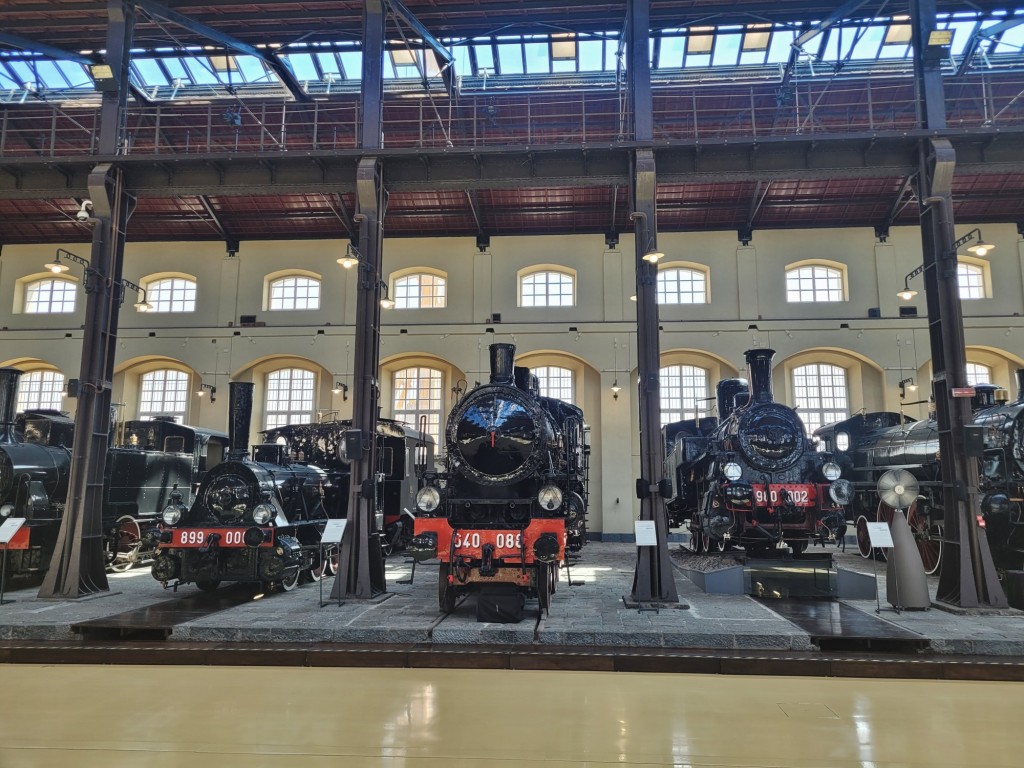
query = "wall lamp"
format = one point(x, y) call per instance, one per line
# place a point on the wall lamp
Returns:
point(58, 267)
point(979, 249)
point(907, 385)
point(651, 253)
point(908, 293)
point(340, 388)
point(616, 389)
point(351, 257)
point(201, 392)
point(354, 258)
point(386, 301)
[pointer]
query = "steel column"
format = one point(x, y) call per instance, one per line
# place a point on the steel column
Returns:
point(653, 580)
point(362, 563)
point(967, 577)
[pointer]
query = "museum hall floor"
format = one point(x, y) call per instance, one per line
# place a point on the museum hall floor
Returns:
point(257, 717)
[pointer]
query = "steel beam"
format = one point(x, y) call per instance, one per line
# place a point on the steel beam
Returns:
point(967, 577)
point(230, 241)
point(810, 33)
point(445, 60)
point(638, 68)
point(361, 573)
point(50, 51)
point(281, 69)
point(974, 41)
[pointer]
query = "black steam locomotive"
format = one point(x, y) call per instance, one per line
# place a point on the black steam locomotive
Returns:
point(403, 454)
point(752, 477)
point(35, 461)
point(254, 519)
point(513, 497)
point(872, 443)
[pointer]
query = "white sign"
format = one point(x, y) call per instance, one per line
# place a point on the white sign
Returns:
point(333, 532)
point(880, 535)
point(10, 527)
point(646, 533)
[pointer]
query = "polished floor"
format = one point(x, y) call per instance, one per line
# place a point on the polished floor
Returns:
point(78, 716)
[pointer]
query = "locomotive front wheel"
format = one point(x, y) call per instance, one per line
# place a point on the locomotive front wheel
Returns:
point(544, 586)
point(863, 540)
point(290, 582)
point(928, 538)
point(445, 594)
point(127, 541)
point(208, 585)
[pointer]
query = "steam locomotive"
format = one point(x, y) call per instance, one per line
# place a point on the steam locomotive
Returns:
point(513, 497)
point(872, 443)
point(403, 454)
point(752, 477)
point(254, 519)
point(35, 462)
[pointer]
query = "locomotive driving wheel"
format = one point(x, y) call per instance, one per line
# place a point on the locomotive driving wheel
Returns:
point(545, 586)
point(927, 536)
point(863, 540)
point(445, 593)
point(291, 581)
point(127, 542)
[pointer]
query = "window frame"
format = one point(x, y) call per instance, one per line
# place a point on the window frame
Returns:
point(294, 297)
point(973, 370)
point(303, 415)
point(547, 270)
point(69, 285)
point(153, 292)
point(401, 413)
point(700, 410)
point(817, 264)
point(980, 267)
point(441, 281)
point(825, 415)
point(684, 266)
point(180, 415)
point(56, 399)
point(559, 374)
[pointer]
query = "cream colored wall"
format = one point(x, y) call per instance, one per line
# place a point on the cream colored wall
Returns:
point(748, 308)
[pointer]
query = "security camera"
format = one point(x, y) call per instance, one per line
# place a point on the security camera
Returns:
point(85, 212)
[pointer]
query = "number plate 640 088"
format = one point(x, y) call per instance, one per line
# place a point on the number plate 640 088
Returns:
point(510, 542)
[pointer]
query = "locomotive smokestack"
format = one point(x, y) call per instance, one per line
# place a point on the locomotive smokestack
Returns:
point(984, 396)
point(502, 363)
point(1020, 384)
point(240, 398)
point(8, 402)
point(726, 392)
point(759, 368)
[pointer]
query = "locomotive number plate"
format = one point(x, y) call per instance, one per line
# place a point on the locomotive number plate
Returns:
point(777, 495)
point(200, 537)
point(506, 543)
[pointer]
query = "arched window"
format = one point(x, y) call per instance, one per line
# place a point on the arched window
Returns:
point(290, 397)
point(172, 294)
point(684, 393)
point(978, 374)
point(50, 295)
point(681, 285)
point(163, 393)
point(421, 291)
point(820, 394)
point(294, 292)
point(547, 289)
point(971, 279)
point(418, 394)
point(814, 282)
point(40, 390)
point(555, 382)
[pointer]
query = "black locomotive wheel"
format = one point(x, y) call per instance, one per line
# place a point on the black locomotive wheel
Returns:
point(928, 538)
point(695, 541)
point(290, 582)
point(798, 547)
point(721, 545)
point(445, 593)
point(863, 540)
point(705, 542)
point(544, 586)
point(332, 561)
point(127, 541)
point(208, 585)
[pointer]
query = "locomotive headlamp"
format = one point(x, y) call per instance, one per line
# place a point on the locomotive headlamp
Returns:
point(171, 514)
point(252, 537)
point(428, 498)
point(545, 548)
point(841, 492)
point(831, 471)
point(6, 510)
point(263, 513)
point(732, 471)
point(550, 497)
point(995, 504)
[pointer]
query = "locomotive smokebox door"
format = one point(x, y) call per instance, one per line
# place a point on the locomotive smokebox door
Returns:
point(974, 440)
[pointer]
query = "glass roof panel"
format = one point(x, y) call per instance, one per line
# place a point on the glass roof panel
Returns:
point(352, 61)
point(463, 66)
point(75, 74)
point(672, 49)
point(484, 56)
point(962, 31)
point(150, 72)
point(177, 69)
point(49, 75)
point(510, 56)
point(727, 49)
point(1011, 40)
point(869, 44)
point(303, 66)
point(591, 56)
point(329, 64)
point(201, 70)
point(22, 71)
point(781, 45)
point(7, 79)
point(252, 69)
point(537, 60)
point(610, 57)
point(563, 65)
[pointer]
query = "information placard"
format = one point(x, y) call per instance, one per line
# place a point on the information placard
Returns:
point(333, 532)
point(10, 527)
point(646, 533)
point(880, 535)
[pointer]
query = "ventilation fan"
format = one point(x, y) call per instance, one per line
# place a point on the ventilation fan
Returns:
point(898, 488)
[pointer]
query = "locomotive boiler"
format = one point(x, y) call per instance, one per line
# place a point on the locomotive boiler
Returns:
point(254, 519)
point(500, 517)
point(752, 477)
point(33, 485)
point(873, 443)
point(403, 455)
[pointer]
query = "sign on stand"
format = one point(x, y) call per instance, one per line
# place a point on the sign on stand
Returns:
point(331, 537)
point(880, 535)
point(646, 533)
point(7, 531)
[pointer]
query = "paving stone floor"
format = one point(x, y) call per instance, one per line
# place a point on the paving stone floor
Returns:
point(589, 612)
